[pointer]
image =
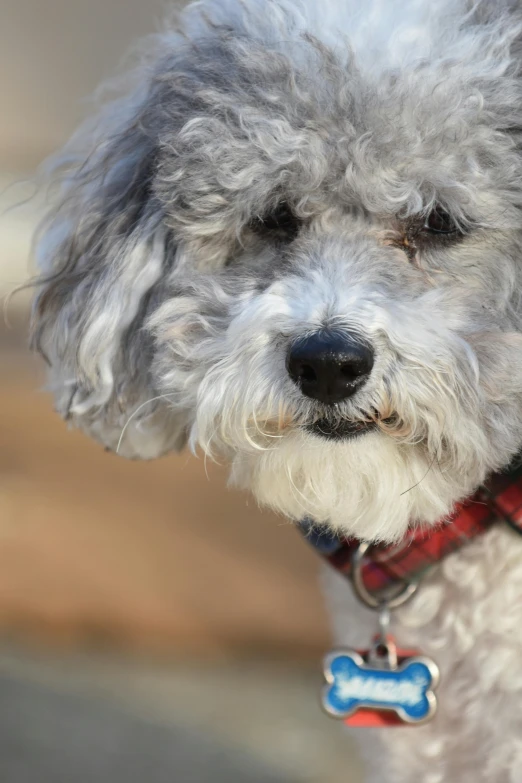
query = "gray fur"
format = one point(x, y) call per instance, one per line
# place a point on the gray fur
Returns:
point(166, 316)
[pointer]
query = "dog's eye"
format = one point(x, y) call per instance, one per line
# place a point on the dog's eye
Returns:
point(281, 223)
point(440, 222)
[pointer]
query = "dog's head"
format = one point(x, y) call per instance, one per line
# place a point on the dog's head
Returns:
point(297, 242)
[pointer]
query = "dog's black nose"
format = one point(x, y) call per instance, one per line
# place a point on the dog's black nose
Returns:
point(329, 366)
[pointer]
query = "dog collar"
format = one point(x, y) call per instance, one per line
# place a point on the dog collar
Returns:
point(386, 567)
point(385, 685)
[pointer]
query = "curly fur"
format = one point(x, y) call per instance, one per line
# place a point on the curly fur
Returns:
point(467, 617)
point(166, 316)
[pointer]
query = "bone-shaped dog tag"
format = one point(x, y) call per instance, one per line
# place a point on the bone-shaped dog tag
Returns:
point(373, 688)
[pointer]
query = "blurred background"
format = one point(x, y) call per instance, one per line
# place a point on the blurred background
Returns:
point(153, 625)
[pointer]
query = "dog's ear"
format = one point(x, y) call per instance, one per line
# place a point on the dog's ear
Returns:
point(104, 255)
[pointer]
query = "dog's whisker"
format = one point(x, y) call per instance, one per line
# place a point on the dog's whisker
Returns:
point(135, 413)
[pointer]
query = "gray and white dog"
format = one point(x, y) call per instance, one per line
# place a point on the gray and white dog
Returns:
point(295, 240)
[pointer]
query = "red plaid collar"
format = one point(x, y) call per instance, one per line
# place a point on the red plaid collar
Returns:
point(386, 566)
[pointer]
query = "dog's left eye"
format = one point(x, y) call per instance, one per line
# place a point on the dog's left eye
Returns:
point(440, 222)
point(281, 223)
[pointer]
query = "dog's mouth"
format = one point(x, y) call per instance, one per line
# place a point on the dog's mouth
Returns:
point(342, 430)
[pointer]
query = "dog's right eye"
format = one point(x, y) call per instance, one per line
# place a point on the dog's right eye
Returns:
point(281, 223)
point(440, 222)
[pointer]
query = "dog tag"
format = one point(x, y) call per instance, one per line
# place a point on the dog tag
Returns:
point(380, 686)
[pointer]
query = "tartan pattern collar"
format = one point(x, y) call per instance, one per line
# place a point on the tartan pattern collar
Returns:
point(386, 566)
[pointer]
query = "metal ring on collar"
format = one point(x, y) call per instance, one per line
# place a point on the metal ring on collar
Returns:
point(404, 591)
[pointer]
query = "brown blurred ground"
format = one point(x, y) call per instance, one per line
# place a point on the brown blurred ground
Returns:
point(151, 555)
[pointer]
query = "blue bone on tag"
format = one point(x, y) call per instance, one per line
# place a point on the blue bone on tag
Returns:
point(407, 690)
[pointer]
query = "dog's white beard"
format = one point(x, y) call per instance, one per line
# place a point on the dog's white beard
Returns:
point(370, 487)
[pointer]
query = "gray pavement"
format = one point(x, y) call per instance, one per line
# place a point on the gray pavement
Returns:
point(94, 720)
point(49, 737)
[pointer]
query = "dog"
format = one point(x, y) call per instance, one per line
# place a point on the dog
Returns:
point(292, 238)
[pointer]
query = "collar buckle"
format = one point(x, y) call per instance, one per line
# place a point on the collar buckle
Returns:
point(397, 596)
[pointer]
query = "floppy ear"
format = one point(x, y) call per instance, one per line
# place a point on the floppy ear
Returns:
point(104, 253)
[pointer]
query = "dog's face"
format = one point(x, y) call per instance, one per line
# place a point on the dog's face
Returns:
point(305, 258)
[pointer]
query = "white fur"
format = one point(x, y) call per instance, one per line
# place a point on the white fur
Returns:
point(467, 617)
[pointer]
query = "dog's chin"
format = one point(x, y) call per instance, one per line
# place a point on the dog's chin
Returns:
point(370, 487)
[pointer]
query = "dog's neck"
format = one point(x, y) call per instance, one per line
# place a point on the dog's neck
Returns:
point(388, 567)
